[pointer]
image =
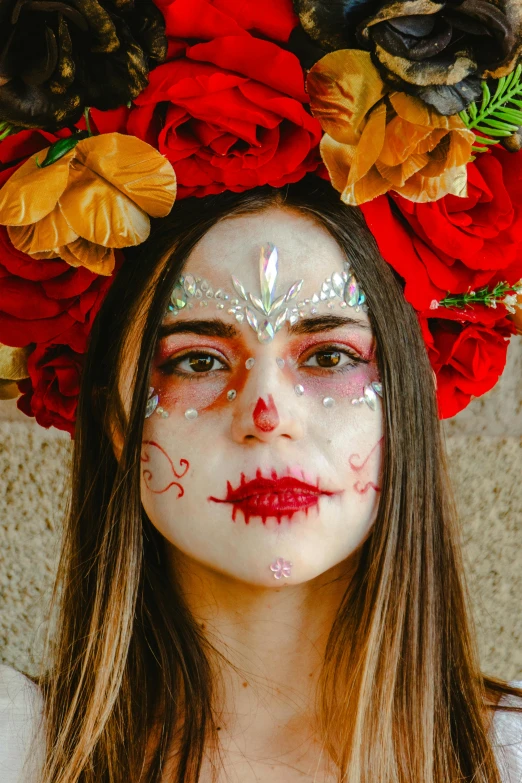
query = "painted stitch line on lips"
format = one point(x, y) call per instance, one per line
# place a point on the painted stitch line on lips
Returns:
point(273, 497)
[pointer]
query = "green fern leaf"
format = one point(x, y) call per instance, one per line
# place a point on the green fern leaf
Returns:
point(500, 114)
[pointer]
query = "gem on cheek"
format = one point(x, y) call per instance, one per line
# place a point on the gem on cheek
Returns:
point(328, 402)
point(231, 394)
point(299, 390)
point(280, 362)
point(191, 413)
point(250, 363)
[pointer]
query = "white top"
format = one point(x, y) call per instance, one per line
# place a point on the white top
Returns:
point(20, 721)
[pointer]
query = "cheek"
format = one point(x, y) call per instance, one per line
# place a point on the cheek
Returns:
point(178, 394)
point(342, 385)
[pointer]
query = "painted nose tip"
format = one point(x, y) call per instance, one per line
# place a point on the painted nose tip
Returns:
point(265, 415)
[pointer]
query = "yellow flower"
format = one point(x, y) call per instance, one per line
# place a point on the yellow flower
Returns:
point(13, 367)
point(95, 198)
point(376, 140)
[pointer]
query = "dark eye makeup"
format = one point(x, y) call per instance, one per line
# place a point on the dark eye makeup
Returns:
point(327, 359)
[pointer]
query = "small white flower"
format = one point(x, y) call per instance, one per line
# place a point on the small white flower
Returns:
point(510, 301)
point(434, 304)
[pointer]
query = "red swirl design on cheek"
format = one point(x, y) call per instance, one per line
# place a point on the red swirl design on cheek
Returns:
point(359, 487)
point(147, 473)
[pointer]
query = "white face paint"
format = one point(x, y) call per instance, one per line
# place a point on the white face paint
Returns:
point(260, 465)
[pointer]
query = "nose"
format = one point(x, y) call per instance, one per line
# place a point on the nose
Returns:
point(266, 408)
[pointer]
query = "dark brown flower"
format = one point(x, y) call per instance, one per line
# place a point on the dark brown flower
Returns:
point(59, 56)
point(438, 51)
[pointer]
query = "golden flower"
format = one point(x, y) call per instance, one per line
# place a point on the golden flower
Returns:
point(95, 198)
point(13, 367)
point(376, 140)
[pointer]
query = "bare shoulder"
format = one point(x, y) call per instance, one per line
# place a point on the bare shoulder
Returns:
point(20, 724)
point(507, 737)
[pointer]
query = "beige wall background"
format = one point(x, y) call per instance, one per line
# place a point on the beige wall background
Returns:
point(485, 449)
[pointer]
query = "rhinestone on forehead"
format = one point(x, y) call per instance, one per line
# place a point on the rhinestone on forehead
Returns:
point(266, 314)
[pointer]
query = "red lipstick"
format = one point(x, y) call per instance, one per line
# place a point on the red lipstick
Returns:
point(272, 497)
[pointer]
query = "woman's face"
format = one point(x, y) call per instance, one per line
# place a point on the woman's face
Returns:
point(256, 452)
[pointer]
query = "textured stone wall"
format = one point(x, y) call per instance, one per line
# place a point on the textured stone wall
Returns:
point(485, 449)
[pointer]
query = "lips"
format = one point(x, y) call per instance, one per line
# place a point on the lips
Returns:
point(272, 497)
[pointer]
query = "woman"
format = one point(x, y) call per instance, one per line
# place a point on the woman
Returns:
point(222, 455)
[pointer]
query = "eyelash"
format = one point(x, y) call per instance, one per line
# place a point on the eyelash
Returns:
point(169, 366)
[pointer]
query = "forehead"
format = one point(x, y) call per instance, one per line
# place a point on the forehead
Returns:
point(231, 247)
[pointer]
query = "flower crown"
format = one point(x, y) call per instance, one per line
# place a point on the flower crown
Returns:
point(412, 109)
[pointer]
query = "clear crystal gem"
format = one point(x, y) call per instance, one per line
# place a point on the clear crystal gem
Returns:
point(328, 402)
point(232, 394)
point(250, 363)
point(152, 403)
point(251, 318)
point(191, 413)
point(338, 284)
point(280, 362)
point(239, 287)
point(294, 290)
point(178, 298)
point(370, 397)
point(265, 332)
point(189, 285)
point(279, 321)
point(240, 318)
point(299, 390)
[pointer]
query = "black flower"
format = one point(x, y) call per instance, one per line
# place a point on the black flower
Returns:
point(59, 56)
point(438, 51)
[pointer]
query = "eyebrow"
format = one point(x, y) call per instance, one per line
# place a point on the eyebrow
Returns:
point(216, 328)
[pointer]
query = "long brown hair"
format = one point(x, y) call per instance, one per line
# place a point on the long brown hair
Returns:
point(400, 697)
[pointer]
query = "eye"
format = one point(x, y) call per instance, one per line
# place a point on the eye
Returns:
point(193, 363)
point(333, 358)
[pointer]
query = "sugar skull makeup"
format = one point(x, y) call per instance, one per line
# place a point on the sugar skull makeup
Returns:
point(267, 381)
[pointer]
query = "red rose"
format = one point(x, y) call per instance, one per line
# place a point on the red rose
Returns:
point(467, 350)
point(45, 300)
point(457, 244)
point(50, 393)
point(231, 104)
point(15, 149)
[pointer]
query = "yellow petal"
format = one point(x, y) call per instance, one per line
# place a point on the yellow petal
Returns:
point(338, 159)
point(133, 167)
point(44, 236)
point(365, 189)
point(96, 258)
point(399, 175)
point(8, 390)
point(402, 140)
point(100, 213)
point(31, 193)
point(419, 113)
point(13, 367)
point(370, 144)
point(423, 189)
point(343, 87)
point(13, 363)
